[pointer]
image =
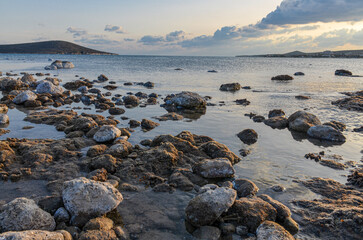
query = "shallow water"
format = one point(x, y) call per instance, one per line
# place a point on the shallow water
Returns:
point(278, 155)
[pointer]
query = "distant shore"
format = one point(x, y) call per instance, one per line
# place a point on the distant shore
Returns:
point(325, 54)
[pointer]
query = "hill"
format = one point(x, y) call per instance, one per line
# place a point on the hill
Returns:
point(50, 47)
point(325, 54)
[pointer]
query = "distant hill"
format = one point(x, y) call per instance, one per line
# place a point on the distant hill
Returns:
point(325, 54)
point(50, 47)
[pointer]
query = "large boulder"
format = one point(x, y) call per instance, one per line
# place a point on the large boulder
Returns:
point(251, 212)
point(48, 87)
point(107, 133)
point(272, 231)
point(301, 121)
point(36, 235)
point(24, 96)
point(232, 87)
point(205, 208)
point(24, 214)
point(85, 199)
point(325, 132)
point(214, 168)
point(59, 65)
point(187, 100)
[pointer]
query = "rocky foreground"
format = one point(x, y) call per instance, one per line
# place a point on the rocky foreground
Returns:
point(103, 187)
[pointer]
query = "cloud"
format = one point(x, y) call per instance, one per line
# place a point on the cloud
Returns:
point(97, 40)
point(175, 36)
point(77, 32)
point(166, 40)
point(112, 28)
point(129, 39)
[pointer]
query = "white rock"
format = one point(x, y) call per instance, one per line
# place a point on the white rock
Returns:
point(48, 87)
point(4, 119)
point(107, 133)
point(214, 168)
point(24, 96)
point(88, 198)
point(24, 214)
point(272, 231)
point(36, 235)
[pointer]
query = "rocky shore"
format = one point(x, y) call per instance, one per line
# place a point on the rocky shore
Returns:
point(181, 186)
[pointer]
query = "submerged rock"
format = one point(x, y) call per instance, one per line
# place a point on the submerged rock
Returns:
point(301, 121)
point(170, 116)
point(272, 231)
point(325, 132)
point(85, 199)
point(107, 133)
point(232, 87)
point(205, 208)
point(353, 103)
point(282, 78)
point(24, 214)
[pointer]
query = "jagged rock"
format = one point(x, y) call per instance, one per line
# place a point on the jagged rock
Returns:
point(301, 121)
point(24, 214)
point(232, 87)
point(205, 208)
point(272, 231)
point(107, 133)
point(86, 199)
point(325, 132)
point(214, 168)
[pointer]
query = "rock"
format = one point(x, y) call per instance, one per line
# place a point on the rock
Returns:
point(212, 71)
point(342, 72)
point(148, 124)
point(3, 108)
point(301, 121)
point(163, 187)
point(149, 84)
point(358, 129)
point(230, 87)
point(258, 118)
point(36, 235)
point(325, 132)
point(356, 178)
point(282, 78)
point(116, 111)
point(98, 235)
point(50, 203)
point(178, 180)
point(83, 89)
point(24, 214)
point(9, 84)
point(333, 164)
point(272, 231)
point(354, 103)
point(276, 113)
point(59, 65)
point(214, 168)
point(248, 136)
point(120, 150)
point(251, 212)
point(337, 125)
point(302, 97)
point(205, 208)
point(277, 122)
point(299, 74)
point(102, 78)
point(99, 223)
point(86, 199)
point(188, 100)
point(61, 215)
point(107, 133)
point(77, 84)
point(218, 150)
point(243, 102)
point(245, 187)
point(96, 150)
point(278, 188)
point(207, 233)
point(28, 79)
point(170, 116)
point(4, 119)
point(242, 230)
point(131, 100)
point(282, 211)
point(105, 161)
point(134, 123)
point(48, 87)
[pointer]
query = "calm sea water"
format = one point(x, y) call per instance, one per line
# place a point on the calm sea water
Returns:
point(276, 158)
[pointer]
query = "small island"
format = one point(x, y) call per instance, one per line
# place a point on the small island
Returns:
point(325, 54)
point(50, 47)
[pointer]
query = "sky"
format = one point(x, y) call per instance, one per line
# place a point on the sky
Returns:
point(187, 27)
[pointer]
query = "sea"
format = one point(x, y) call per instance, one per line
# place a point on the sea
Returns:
point(277, 158)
